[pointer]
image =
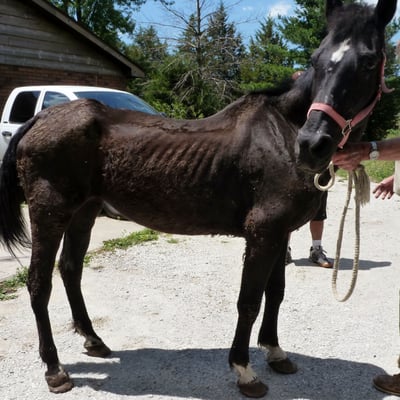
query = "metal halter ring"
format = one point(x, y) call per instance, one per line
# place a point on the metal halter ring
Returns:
point(347, 128)
point(331, 182)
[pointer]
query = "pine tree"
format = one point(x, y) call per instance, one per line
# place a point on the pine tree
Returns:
point(305, 29)
point(211, 50)
point(269, 60)
point(108, 19)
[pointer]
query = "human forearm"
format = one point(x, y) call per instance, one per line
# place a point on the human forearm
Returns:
point(353, 153)
point(389, 149)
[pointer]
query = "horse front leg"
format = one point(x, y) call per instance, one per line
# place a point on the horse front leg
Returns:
point(45, 242)
point(76, 242)
point(254, 279)
point(268, 335)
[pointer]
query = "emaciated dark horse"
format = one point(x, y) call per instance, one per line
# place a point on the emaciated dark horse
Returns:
point(240, 172)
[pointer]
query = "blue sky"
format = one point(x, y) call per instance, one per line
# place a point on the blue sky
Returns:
point(246, 14)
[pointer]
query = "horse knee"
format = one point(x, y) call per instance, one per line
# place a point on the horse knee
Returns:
point(248, 312)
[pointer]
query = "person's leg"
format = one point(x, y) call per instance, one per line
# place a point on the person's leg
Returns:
point(316, 230)
point(389, 383)
point(317, 254)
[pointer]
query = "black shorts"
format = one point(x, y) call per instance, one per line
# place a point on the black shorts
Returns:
point(320, 215)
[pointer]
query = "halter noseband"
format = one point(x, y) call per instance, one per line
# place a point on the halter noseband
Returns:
point(349, 124)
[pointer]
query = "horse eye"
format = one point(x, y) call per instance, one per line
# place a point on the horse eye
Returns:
point(370, 63)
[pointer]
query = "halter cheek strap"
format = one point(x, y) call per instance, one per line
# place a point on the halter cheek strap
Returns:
point(349, 124)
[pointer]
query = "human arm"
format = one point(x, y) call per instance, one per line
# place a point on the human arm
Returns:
point(353, 153)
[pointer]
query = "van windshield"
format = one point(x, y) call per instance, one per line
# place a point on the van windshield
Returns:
point(119, 100)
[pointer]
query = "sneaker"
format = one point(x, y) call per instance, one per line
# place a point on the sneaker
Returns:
point(288, 258)
point(317, 256)
point(388, 384)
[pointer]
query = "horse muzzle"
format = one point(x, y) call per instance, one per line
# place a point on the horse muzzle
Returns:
point(314, 150)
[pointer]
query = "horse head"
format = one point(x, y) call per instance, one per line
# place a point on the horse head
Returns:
point(347, 80)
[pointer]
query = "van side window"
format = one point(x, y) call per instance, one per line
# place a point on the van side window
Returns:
point(54, 98)
point(24, 106)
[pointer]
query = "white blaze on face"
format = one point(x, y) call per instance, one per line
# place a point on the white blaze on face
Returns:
point(341, 51)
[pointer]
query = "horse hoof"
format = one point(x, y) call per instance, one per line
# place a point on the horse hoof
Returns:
point(285, 366)
point(59, 382)
point(253, 389)
point(97, 350)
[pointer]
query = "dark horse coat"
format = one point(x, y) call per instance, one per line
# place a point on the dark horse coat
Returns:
point(246, 171)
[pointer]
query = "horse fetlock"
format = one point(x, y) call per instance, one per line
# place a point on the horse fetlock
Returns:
point(96, 348)
point(278, 360)
point(274, 353)
point(245, 374)
point(58, 381)
point(248, 382)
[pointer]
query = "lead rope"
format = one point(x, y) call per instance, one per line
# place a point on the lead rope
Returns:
point(362, 194)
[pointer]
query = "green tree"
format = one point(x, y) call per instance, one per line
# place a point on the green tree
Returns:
point(108, 19)
point(305, 29)
point(224, 53)
point(163, 72)
point(269, 60)
point(206, 61)
point(147, 49)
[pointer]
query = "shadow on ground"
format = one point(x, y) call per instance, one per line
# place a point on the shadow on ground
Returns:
point(204, 374)
point(345, 264)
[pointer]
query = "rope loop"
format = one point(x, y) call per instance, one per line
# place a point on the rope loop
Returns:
point(362, 195)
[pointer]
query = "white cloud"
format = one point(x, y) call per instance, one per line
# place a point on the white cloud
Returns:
point(281, 8)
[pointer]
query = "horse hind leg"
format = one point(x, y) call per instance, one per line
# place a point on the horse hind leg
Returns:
point(76, 242)
point(46, 237)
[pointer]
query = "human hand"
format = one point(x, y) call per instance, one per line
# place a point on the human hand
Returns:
point(384, 190)
point(351, 155)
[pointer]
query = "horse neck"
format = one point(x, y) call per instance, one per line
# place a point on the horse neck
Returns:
point(294, 104)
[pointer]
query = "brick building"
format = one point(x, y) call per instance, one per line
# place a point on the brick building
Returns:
point(40, 45)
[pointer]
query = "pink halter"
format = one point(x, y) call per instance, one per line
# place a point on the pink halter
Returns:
point(347, 125)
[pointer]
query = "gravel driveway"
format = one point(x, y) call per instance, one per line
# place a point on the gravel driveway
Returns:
point(168, 311)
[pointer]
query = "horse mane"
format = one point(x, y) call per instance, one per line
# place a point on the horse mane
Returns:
point(291, 96)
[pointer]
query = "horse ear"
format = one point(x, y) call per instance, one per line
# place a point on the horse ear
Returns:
point(384, 11)
point(331, 5)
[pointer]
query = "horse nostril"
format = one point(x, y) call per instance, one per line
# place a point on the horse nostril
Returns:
point(322, 147)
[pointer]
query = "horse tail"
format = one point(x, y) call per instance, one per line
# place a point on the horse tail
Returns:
point(13, 232)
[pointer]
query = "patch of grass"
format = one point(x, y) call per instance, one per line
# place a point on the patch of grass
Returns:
point(88, 257)
point(9, 287)
point(145, 235)
point(171, 239)
point(376, 170)
point(134, 238)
